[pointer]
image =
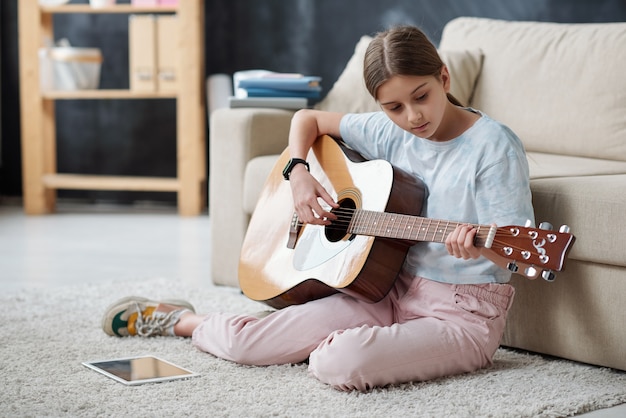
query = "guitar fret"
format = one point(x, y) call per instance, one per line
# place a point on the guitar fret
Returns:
point(444, 232)
point(391, 229)
point(406, 229)
point(426, 229)
point(415, 229)
point(383, 223)
point(421, 229)
point(365, 222)
point(398, 226)
point(394, 231)
point(370, 222)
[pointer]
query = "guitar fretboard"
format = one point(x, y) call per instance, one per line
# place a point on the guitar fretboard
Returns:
point(407, 227)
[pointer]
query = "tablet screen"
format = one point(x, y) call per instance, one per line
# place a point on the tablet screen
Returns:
point(139, 370)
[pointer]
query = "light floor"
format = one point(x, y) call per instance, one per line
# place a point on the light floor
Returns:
point(83, 244)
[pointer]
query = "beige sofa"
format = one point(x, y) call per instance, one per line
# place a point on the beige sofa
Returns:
point(562, 88)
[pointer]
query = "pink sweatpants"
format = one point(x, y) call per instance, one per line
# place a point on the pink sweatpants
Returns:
point(420, 331)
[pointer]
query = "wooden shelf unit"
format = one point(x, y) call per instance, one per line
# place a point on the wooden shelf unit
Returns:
point(104, 94)
point(117, 8)
point(39, 174)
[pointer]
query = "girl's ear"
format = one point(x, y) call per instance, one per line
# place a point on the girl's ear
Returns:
point(445, 78)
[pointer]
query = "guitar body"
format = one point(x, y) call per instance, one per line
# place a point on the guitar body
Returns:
point(324, 261)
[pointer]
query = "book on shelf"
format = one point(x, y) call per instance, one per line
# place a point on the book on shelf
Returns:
point(167, 62)
point(142, 52)
point(269, 102)
point(281, 81)
point(265, 92)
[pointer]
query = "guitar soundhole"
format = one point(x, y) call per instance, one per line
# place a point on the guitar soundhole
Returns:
point(339, 228)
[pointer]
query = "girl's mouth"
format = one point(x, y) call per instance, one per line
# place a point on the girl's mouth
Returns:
point(421, 128)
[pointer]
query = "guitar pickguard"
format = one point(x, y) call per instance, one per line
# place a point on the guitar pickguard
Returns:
point(313, 248)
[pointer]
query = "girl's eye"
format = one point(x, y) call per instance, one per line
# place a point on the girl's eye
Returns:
point(421, 98)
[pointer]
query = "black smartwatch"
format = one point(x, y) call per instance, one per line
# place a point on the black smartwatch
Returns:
point(291, 164)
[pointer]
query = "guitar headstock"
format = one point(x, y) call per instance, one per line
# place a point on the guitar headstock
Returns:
point(540, 249)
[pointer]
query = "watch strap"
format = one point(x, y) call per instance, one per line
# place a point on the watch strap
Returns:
point(291, 164)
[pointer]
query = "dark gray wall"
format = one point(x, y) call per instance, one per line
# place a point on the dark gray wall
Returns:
point(308, 36)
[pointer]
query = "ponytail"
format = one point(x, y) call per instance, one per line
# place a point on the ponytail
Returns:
point(454, 100)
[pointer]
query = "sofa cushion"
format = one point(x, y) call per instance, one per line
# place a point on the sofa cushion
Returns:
point(560, 87)
point(586, 194)
point(349, 94)
point(593, 208)
point(550, 165)
point(579, 316)
point(255, 175)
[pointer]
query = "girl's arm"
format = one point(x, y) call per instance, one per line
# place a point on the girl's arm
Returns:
point(306, 126)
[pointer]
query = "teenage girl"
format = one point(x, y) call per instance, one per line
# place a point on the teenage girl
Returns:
point(446, 313)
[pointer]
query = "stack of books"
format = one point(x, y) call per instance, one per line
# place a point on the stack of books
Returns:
point(277, 90)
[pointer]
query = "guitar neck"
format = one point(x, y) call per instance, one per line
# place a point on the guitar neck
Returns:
point(408, 227)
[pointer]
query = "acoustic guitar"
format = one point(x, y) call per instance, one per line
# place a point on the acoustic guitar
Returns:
point(284, 262)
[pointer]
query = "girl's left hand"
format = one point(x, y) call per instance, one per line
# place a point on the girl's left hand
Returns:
point(460, 242)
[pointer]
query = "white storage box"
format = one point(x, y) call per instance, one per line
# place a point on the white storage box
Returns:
point(69, 68)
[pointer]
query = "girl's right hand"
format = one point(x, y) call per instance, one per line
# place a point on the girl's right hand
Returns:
point(309, 196)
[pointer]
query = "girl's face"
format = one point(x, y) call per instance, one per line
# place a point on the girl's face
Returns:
point(417, 104)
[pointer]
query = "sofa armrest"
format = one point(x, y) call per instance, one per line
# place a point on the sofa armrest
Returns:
point(237, 136)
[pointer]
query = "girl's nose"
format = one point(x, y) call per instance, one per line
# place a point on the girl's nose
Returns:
point(414, 115)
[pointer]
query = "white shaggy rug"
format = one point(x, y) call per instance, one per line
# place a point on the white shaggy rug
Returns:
point(46, 334)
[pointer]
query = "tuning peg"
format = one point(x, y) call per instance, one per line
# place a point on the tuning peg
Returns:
point(512, 267)
point(546, 226)
point(548, 275)
point(531, 271)
point(528, 223)
point(565, 229)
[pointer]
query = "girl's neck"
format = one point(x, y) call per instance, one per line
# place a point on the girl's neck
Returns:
point(455, 121)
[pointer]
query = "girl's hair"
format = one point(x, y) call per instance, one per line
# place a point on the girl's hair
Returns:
point(404, 50)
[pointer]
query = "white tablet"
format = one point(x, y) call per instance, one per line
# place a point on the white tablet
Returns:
point(139, 370)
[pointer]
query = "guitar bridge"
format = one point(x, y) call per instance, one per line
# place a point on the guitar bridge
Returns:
point(294, 230)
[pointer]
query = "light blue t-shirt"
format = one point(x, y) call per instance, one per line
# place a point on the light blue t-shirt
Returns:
point(480, 177)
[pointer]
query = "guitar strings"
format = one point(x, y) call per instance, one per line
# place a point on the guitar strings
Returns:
point(434, 227)
point(496, 244)
point(346, 215)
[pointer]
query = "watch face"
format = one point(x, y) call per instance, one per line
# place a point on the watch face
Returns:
point(291, 164)
point(287, 170)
